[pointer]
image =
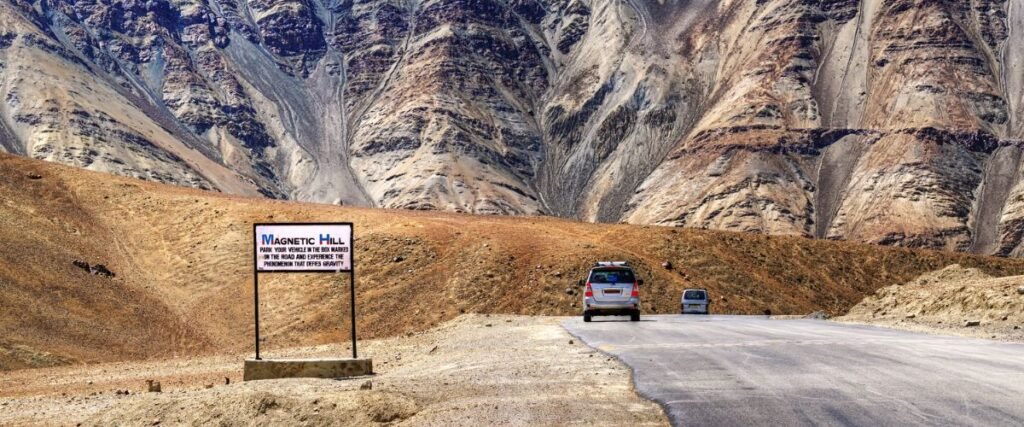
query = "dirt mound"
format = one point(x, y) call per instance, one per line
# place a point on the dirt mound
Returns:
point(958, 300)
point(182, 269)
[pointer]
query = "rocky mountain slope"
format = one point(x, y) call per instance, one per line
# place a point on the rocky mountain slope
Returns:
point(887, 121)
point(180, 263)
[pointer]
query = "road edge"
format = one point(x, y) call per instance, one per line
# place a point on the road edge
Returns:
point(632, 375)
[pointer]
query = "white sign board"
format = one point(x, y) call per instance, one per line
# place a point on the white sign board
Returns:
point(303, 247)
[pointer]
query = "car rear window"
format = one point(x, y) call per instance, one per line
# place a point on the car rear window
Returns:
point(694, 295)
point(612, 276)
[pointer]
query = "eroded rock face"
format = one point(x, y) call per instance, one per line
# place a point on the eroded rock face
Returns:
point(889, 121)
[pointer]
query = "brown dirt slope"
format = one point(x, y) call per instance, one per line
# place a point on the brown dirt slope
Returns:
point(183, 283)
point(946, 301)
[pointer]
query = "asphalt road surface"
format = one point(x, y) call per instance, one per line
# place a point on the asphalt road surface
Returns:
point(751, 370)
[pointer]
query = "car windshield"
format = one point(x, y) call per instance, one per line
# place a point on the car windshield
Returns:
point(694, 295)
point(612, 276)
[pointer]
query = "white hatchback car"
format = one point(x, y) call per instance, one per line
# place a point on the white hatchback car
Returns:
point(695, 301)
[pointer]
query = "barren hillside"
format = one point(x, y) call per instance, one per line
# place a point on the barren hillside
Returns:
point(182, 283)
point(887, 121)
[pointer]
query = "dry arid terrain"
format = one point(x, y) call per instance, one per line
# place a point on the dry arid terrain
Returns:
point(897, 122)
point(473, 370)
point(954, 300)
point(182, 265)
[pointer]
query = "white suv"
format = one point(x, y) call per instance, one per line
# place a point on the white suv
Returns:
point(612, 289)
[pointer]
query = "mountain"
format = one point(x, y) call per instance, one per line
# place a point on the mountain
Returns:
point(177, 269)
point(887, 121)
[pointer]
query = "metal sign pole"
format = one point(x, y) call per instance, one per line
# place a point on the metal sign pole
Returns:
point(256, 306)
point(352, 290)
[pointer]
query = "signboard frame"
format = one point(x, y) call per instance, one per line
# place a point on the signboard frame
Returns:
point(256, 273)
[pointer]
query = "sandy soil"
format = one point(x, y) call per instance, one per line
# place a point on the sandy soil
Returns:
point(944, 301)
point(474, 370)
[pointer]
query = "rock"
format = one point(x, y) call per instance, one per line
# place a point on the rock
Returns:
point(767, 312)
point(971, 323)
point(570, 291)
point(571, 342)
point(1020, 290)
point(98, 269)
point(208, 386)
point(153, 386)
point(398, 259)
point(1015, 327)
point(368, 385)
point(227, 380)
point(910, 316)
point(819, 315)
point(488, 325)
point(34, 176)
point(667, 265)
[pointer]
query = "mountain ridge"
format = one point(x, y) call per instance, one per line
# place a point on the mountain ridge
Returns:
point(885, 121)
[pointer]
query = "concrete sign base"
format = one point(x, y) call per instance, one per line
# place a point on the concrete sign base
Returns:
point(267, 369)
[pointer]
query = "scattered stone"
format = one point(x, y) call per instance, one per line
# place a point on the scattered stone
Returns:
point(767, 312)
point(398, 259)
point(98, 269)
point(34, 176)
point(153, 386)
point(819, 315)
point(1015, 327)
point(155, 422)
point(667, 265)
point(227, 380)
point(570, 291)
point(571, 342)
point(971, 323)
point(208, 386)
point(557, 274)
point(911, 316)
point(1020, 290)
point(432, 350)
point(488, 325)
point(368, 385)
point(1006, 317)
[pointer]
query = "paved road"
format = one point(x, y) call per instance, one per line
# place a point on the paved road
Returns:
point(749, 370)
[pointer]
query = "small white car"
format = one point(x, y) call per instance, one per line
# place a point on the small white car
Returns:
point(695, 301)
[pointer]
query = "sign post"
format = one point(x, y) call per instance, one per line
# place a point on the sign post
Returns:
point(303, 248)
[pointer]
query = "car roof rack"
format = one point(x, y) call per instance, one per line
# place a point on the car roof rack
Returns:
point(611, 264)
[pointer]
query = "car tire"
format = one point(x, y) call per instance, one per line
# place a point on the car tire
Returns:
point(634, 316)
point(586, 317)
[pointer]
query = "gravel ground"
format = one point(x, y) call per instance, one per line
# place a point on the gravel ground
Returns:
point(474, 370)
